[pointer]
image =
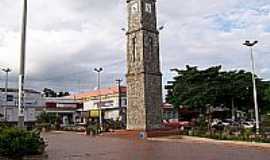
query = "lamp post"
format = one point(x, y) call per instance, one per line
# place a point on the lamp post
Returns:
point(22, 67)
point(250, 45)
point(6, 70)
point(99, 70)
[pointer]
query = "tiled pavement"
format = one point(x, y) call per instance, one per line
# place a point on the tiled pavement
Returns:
point(72, 146)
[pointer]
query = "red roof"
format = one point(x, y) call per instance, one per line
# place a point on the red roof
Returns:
point(103, 92)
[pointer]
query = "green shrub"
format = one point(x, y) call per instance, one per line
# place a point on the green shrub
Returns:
point(40, 126)
point(45, 117)
point(229, 133)
point(113, 124)
point(17, 142)
point(93, 129)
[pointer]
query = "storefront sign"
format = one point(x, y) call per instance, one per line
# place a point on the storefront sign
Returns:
point(94, 113)
point(66, 105)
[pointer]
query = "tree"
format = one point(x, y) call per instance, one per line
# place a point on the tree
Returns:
point(51, 93)
point(194, 88)
point(45, 117)
point(265, 97)
point(199, 89)
point(237, 90)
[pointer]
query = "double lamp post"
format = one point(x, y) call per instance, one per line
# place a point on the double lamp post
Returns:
point(99, 70)
point(250, 45)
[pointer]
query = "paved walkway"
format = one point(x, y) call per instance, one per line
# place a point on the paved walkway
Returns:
point(190, 139)
point(72, 146)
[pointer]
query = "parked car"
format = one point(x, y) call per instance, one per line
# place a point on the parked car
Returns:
point(224, 123)
point(171, 123)
point(248, 124)
point(215, 122)
point(175, 123)
point(227, 122)
point(251, 121)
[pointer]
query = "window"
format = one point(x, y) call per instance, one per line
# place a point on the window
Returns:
point(150, 43)
point(134, 8)
point(124, 102)
point(133, 49)
point(148, 7)
point(10, 98)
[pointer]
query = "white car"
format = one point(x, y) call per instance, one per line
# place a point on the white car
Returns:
point(215, 122)
point(248, 125)
point(227, 122)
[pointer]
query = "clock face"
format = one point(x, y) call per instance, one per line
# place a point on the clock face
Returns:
point(148, 7)
point(134, 8)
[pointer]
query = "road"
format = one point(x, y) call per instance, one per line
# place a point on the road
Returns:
point(72, 146)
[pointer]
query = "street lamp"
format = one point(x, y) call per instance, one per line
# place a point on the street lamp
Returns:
point(160, 28)
point(22, 67)
point(6, 70)
point(99, 70)
point(250, 45)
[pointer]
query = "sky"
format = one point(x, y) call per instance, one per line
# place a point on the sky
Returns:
point(67, 39)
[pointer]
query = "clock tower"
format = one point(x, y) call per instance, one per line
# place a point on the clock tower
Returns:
point(144, 79)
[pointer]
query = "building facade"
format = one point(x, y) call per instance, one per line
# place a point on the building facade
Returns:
point(109, 102)
point(144, 78)
point(169, 112)
point(9, 105)
point(68, 110)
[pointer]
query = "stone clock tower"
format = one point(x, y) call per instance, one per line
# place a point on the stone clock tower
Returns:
point(143, 69)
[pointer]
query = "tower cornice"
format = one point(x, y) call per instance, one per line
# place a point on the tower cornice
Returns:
point(142, 29)
point(144, 73)
point(141, 0)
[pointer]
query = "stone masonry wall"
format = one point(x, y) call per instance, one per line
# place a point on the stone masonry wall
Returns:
point(143, 67)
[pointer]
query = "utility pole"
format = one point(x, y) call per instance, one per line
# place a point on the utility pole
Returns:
point(119, 97)
point(99, 70)
point(6, 70)
point(22, 67)
point(250, 45)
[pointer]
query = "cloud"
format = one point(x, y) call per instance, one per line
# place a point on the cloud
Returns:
point(211, 33)
point(67, 38)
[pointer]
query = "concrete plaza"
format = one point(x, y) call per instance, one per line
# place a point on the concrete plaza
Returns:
point(73, 146)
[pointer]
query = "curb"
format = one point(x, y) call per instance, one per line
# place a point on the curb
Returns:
point(183, 139)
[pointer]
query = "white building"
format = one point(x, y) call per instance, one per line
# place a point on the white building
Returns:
point(33, 102)
point(109, 102)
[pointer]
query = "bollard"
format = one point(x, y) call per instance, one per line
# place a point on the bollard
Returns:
point(142, 135)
